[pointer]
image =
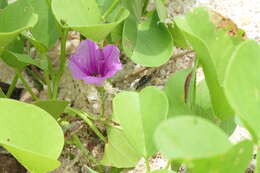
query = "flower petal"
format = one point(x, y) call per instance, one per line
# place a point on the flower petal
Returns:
point(112, 60)
point(76, 71)
point(86, 55)
point(94, 65)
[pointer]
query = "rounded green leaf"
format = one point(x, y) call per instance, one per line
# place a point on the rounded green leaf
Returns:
point(205, 109)
point(46, 32)
point(242, 85)
point(190, 137)
point(175, 91)
point(85, 17)
point(148, 43)
point(118, 151)
point(236, 160)
point(14, 19)
point(207, 41)
point(138, 115)
point(31, 135)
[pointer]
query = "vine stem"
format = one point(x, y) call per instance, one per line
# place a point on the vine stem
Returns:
point(84, 116)
point(257, 169)
point(101, 92)
point(86, 153)
point(148, 168)
point(26, 85)
point(76, 141)
point(62, 62)
point(47, 79)
point(103, 120)
point(12, 86)
point(145, 6)
point(167, 166)
point(111, 8)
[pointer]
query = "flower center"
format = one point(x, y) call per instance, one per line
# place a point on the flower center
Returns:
point(95, 74)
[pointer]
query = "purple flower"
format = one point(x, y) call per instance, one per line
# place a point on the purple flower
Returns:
point(94, 65)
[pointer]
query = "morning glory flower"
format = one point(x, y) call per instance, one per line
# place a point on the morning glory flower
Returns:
point(94, 65)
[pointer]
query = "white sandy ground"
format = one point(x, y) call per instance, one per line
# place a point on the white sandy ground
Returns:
point(245, 13)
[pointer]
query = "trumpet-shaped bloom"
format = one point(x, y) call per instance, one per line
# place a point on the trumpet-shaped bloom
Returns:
point(94, 65)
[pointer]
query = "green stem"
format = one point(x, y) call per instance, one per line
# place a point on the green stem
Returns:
point(146, 2)
point(47, 80)
point(175, 166)
point(102, 101)
point(26, 85)
point(148, 168)
point(62, 63)
point(168, 165)
point(49, 3)
point(105, 121)
point(2, 94)
point(77, 142)
point(35, 76)
point(111, 8)
point(257, 169)
point(12, 86)
point(84, 116)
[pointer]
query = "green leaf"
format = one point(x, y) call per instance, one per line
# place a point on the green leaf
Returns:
point(116, 34)
point(19, 61)
point(207, 41)
point(205, 109)
point(175, 91)
point(31, 135)
point(135, 7)
point(134, 139)
point(53, 107)
point(14, 19)
point(236, 160)
point(11, 59)
point(148, 43)
point(118, 151)
point(203, 106)
point(104, 5)
point(16, 46)
point(190, 137)
point(162, 9)
point(243, 86)
point(3, 4)
point(116, 170)
point(179, 39)
point(46, 32)
point(75, 15)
